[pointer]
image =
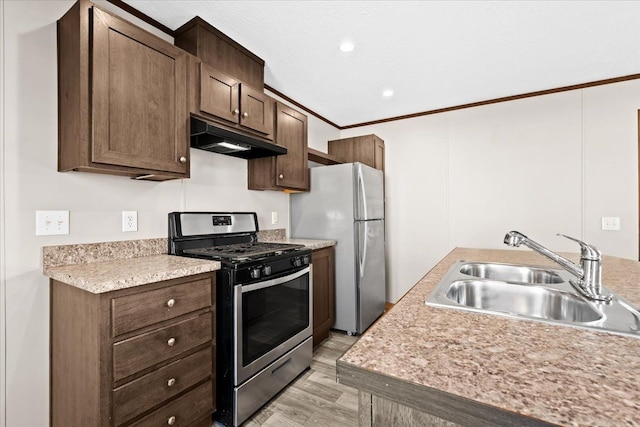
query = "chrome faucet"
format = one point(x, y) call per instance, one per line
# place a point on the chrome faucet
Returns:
point(589, 271)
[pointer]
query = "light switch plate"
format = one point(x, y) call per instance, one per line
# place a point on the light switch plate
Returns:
point(274, 217)
point(611, 223)
point(49, 223)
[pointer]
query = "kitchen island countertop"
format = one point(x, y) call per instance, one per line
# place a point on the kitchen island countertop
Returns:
point(506, 369)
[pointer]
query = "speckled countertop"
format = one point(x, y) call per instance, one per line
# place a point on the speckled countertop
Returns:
point(555, 374)
point(279, 236)
point(109, 266)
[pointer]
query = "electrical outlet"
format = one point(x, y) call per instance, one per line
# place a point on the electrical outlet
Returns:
point(129, 221)
point(49, 223)
point(274, 217)
point(611, 223)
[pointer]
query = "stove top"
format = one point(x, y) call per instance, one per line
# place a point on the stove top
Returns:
point(243, 251)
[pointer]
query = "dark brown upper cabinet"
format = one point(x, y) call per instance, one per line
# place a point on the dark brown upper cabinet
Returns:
point(367, 149)
point(227, 98)
point(289, 171)
point(122, 98)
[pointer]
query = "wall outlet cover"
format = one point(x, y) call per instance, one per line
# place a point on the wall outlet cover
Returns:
point(129, 221)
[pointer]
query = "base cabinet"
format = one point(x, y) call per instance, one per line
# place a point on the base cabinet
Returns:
point(135, 357)
point(367, 149)
point(323, 293)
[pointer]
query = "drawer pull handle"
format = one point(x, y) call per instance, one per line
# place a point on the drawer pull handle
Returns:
point(245, 114)
point(171, 421)
point(171, 303)
point(171, 342)
point(171, 382)
point(183, 159)
point(236, 111)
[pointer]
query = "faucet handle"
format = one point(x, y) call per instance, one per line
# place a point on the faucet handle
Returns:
point(587, 251)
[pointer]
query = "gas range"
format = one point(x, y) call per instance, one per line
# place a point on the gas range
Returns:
point(231, 238)
point(264, 307)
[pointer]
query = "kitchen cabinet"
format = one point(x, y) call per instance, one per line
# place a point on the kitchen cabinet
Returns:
point(367, 149)
point(122, 98)
point(289, 171)
point(222, 97)
point(215, 48)
point(228, 81)
point(137, 356)
point(323, 261)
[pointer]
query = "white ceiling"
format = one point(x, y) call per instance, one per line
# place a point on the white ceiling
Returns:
point(432, 54)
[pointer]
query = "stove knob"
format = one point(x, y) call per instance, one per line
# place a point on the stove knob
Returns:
point(297, 262)
point(305, 260)
point(255, 273)
point(266, 270)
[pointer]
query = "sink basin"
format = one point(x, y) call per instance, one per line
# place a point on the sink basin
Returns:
point(523, 300)
point(535, 293)
point(510, 273)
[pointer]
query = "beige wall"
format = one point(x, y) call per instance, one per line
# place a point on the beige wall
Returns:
point(544, 165)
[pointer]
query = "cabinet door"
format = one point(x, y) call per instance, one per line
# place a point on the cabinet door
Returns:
point(378, 153)
point(219, 94)
point(257, 110)
point(139, 109)
point(292, 169)
point(323, 293)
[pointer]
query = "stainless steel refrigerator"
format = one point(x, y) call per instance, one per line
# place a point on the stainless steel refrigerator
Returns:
point(346, 204)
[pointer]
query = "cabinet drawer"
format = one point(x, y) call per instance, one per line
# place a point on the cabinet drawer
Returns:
point(146, 392)
point(145, 350)
point(146, 308)
point(184, 410)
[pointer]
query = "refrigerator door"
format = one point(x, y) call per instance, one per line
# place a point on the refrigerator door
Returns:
point(326, 212)
point(369, 184)
point(370, 272)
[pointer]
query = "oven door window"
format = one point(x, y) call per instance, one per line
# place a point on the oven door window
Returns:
point(272, 315)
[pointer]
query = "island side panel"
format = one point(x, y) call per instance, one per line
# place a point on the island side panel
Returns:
point(438, 405)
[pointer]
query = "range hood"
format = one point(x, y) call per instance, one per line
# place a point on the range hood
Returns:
point(209, 137)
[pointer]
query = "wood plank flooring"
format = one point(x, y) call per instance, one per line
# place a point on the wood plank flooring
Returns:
point(314, 399)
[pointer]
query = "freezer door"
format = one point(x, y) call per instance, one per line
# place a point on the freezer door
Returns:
point(370, 272)
point(369, 203)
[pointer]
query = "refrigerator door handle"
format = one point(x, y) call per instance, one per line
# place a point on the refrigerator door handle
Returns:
point(362, 197)
point(363, 251)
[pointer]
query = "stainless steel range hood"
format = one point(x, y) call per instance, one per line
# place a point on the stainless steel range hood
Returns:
point(209, 137)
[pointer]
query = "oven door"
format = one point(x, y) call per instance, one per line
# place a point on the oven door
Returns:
point(270, 318)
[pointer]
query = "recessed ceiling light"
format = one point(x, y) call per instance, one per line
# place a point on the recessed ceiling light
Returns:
point(387, 93)
point(347, 46)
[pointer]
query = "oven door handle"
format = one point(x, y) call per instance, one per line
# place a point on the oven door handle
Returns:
point(274, 282)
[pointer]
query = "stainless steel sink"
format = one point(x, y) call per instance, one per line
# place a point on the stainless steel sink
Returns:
point(523, 300)
point(510, 273)
point(534, 293)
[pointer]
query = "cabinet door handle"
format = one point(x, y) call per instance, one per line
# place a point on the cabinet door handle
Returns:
point(183, 159)
point(236, 111)
point(280, 176)
point(171, 342)
point(171, 382)
point(171, 421)
point(245, 114)
point(171, 303)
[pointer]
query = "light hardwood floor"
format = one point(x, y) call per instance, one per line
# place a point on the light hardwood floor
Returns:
point(314, 398)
